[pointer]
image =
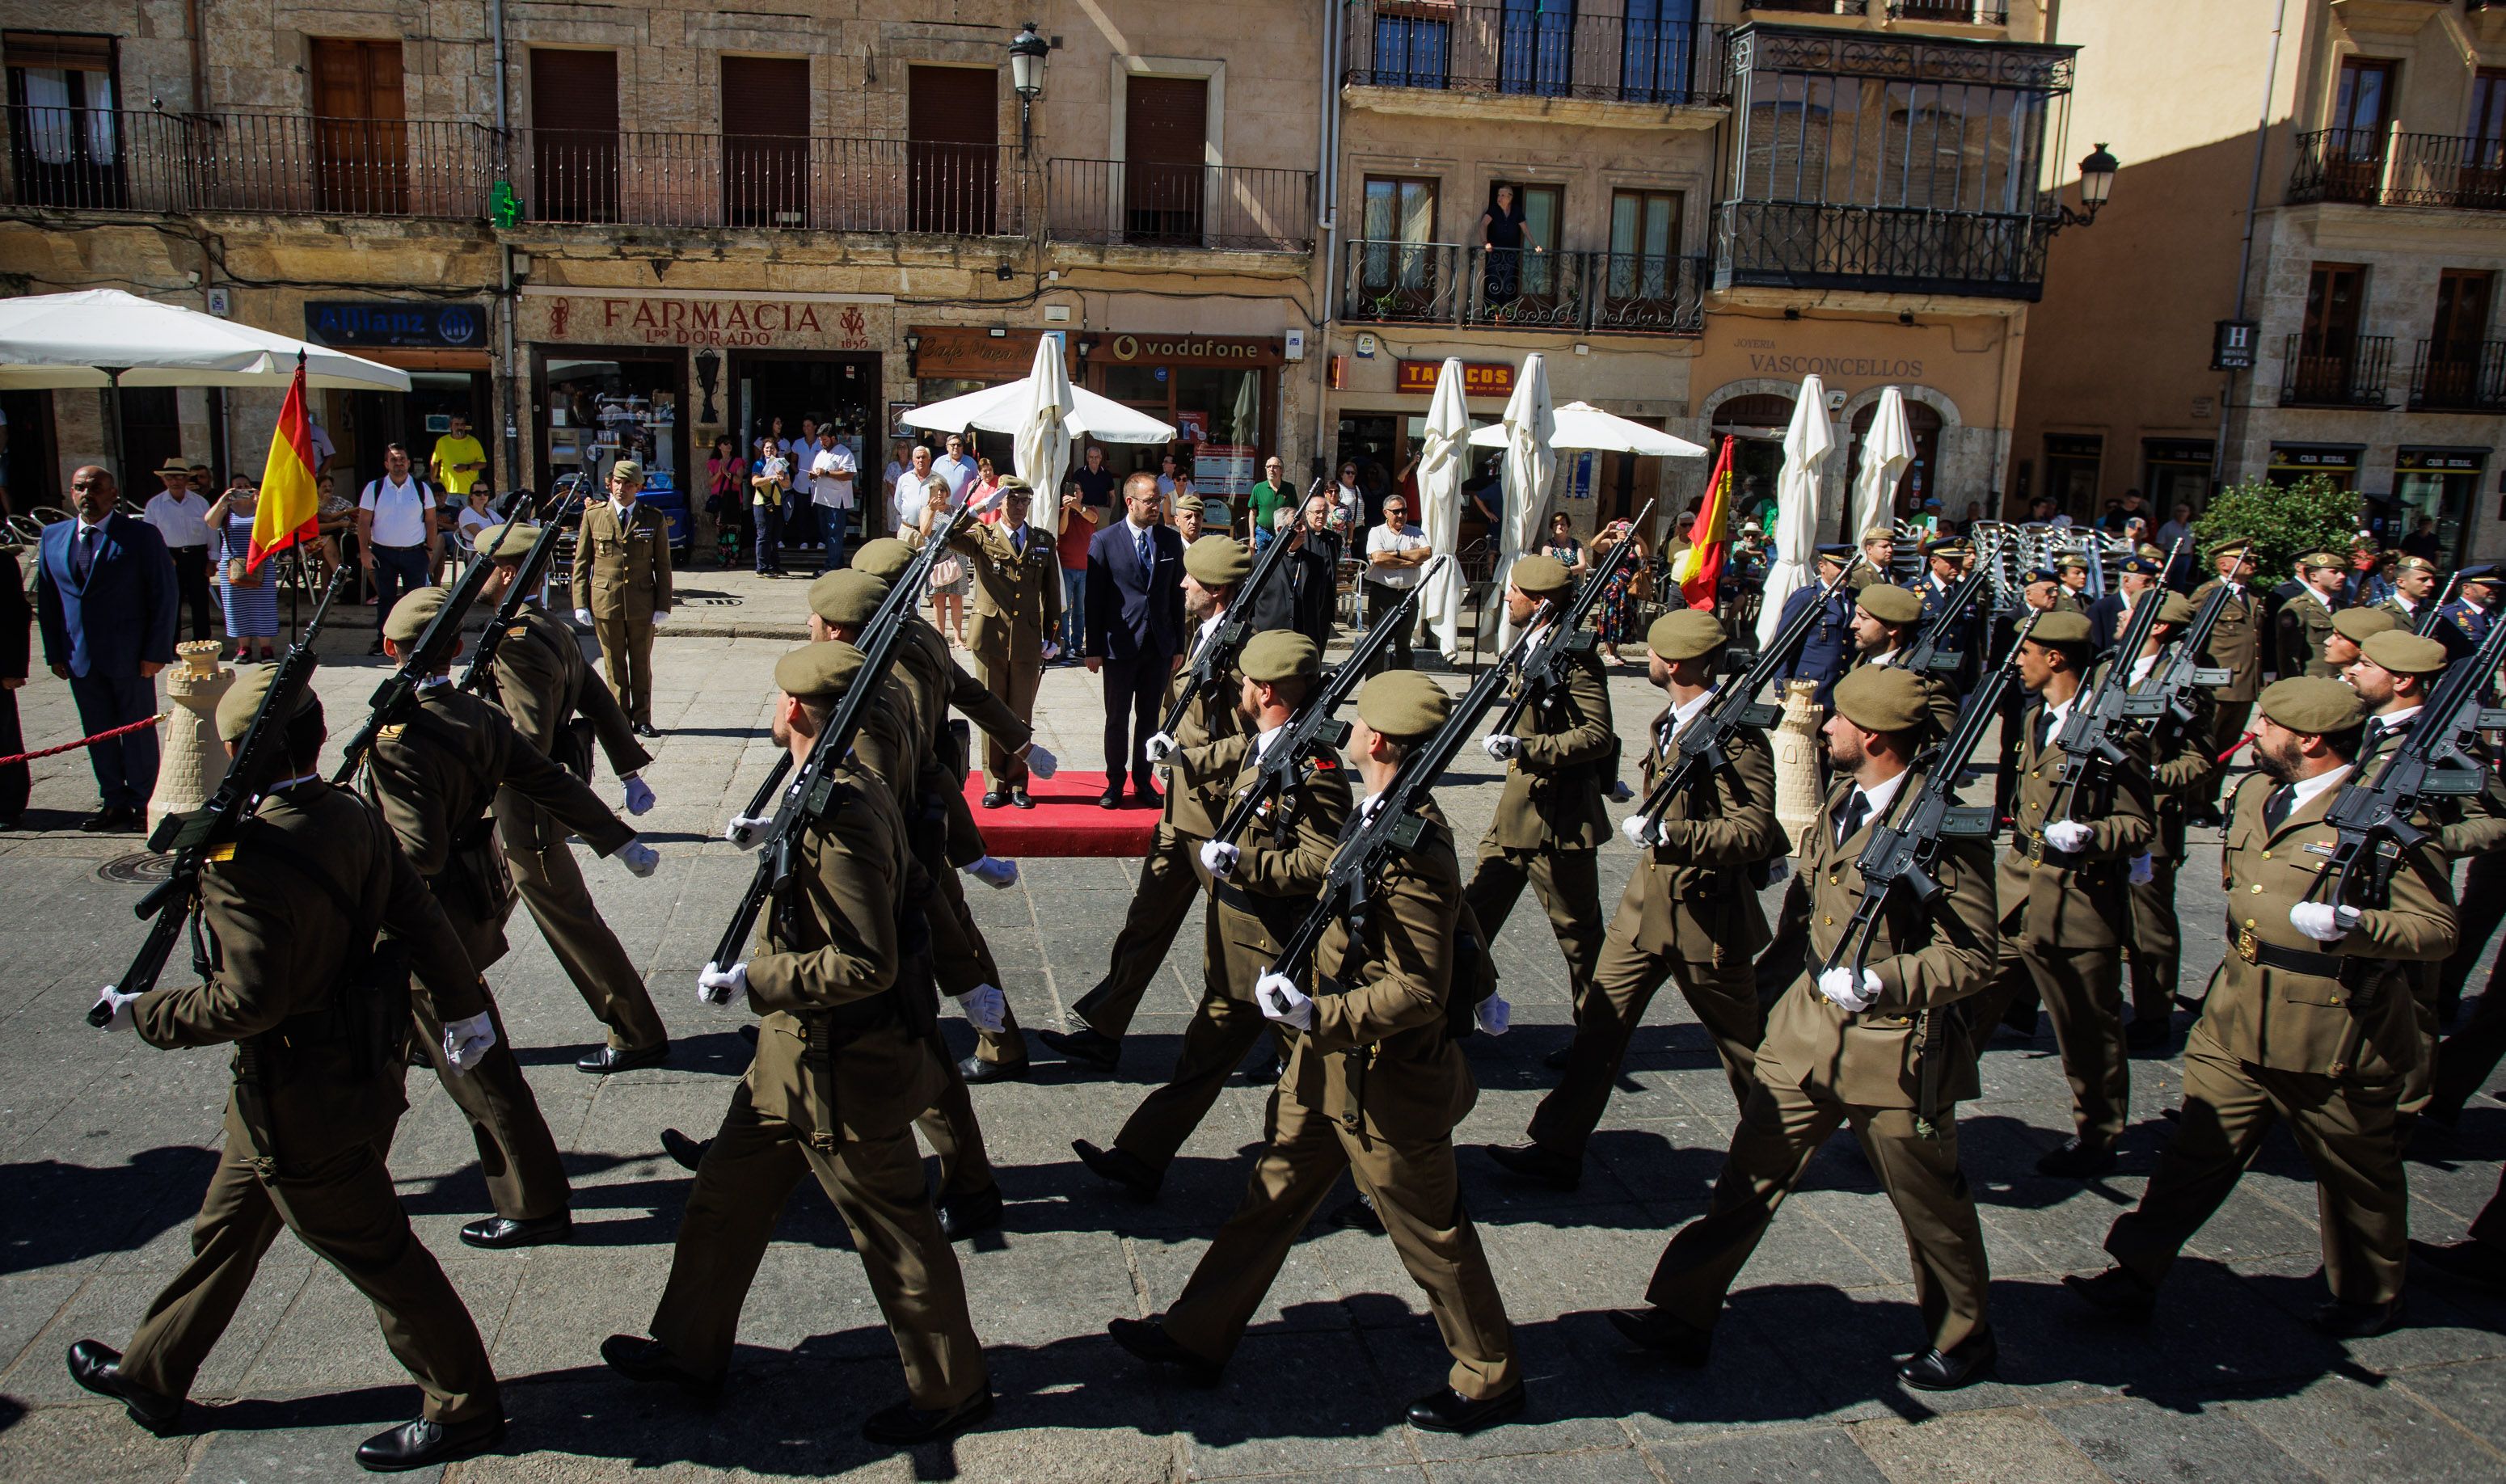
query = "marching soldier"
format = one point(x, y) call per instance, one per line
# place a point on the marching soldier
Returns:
point(2038, 592)
point(319, 1015)
point(1018, 605)
point(434, 777)
point(2236, 647)
point(539, 682)
point(2309, 1019)
point(1375, 1085)
point(2353, 627)
point(1822, 657)
point(1690, 912)
point(844, 1065)
point(2304, 619)
point(2157, 944)
point(1886, 622)
point(1881, 1052)
point(1879, 556)
point(622, 587)
point(1260, 888)
point(2415, 584)
point(1171, 876)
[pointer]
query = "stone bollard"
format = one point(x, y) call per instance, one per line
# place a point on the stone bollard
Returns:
point(1798, 797)
point(192, 762)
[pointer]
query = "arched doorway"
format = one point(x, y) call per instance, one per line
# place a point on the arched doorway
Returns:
point(1920, 480)
point(1756, 422)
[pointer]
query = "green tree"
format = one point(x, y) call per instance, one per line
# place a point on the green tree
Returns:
point(2283, 522)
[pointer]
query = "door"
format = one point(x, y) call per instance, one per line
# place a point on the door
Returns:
point(1165, 127)
point(1398, 274)
point(2456, 341)
point(1542, 298)
point(574, 136)
point(2353, 151)
point(1657, 52)
point(360, 129)
point(1536, 48)
point(953, 153)
point(765, 141)
point(1644, 245)
point(64, 137)
point(2335, 297)
point(2484, 145)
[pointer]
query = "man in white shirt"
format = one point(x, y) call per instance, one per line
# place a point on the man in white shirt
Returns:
point(831, 471)
point(398, 542)
point(955, 467)
point(182, 517)
point(1395, 552)
point(1166, 477)
point(910, 491)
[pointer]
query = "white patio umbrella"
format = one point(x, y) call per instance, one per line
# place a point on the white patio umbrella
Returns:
point(1040, 441)
point(1003, 408)
point(1443, 459)
point(1797, 494)
point(1886, 449)
point(1581, 425)
point(1529, 427)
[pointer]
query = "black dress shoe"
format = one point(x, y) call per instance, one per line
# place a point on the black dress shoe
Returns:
point(421, 1443)
point(1675, 1339)
point(2473, 1264)
point(647, 729)
point(1532, 1162)
point(497, 1232)
point(2356, 1321)
point(101, 822)
point(98, 1368)
point(994, 798)
point(1555, 1061)
point(963, 1216)
point(375, 648)
point(1111, 799)
point(687, 1152)
point(1946, 1370)
point(639, 1358)
point(1020, 799)
point(904, 1425)
point(608, 1059)
point(2075, 1160)
point(1122, 1167)
point(2118, 1291)
point(1148, 1340)
point(977, 1071)
point(1085, 1046)
point(1145, 795)
point(1357, 1214)
point(1446, 1410)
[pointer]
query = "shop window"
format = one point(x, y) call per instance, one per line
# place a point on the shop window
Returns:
point(2073, 463)
point(2175, 471)
point(64, 138)
point(2436, 484)
point(599, 411)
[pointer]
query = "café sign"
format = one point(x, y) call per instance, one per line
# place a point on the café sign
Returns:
point(1479, 378)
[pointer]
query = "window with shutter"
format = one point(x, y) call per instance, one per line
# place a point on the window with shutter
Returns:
point(1165, 134)
point(574, 136)
point(64, 137)
point(953, 153)
point(765, 141)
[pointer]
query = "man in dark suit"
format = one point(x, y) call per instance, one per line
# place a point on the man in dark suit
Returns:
point(1134, 630)
point(1302, 595)
point(16, 617)
point(105, 596)
point(2108, 615)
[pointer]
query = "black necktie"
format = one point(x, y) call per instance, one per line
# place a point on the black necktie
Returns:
point(2043, 726)
point(2275, 809)
point(83, 552)
point(1857, 808)
point(2367, 736)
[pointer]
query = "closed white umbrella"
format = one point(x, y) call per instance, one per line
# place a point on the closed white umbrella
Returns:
point(1797, 498)
point(1886, 449)
point(1530, 427)
point(105, 337)
point(1040, 440)
point(1443, 459)
point(1581, 426)
point(1004, 408)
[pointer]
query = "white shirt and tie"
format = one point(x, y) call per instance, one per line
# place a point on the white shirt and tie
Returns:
point(1864, 805)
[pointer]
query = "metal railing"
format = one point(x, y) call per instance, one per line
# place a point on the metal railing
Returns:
point(1596, 293)
point(1141, 204)
point(1951, 12)
point(1889, 249)
point(2354, 375)
point(2452, 376)
point(1548, 53)
point(2370, 167)
point(95, 159)
point(795, 181)
point(1810, 6)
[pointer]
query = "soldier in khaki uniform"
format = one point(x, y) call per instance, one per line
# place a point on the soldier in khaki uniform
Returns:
point(1549, 822)
point(1879, 561)
point(1260, 888)
point(2236, 647)
point(1860, 1052)
point(2155, 946)
point(2304, 619)
point(1690, 912)
point(622, 587)
point(320, 1024)
point(1018, 607)
point(434, 776)
point(2415, 587)
point(2071, 584)
point(2310, 1019)
point(1886, 622)
point(539, 681)
point(843, 1065)
point(1375, 1085)
point(1172, 875)
point(2353, 627)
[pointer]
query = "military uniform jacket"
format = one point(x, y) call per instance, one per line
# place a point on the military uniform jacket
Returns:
point(939, 683)
point(2175, 776)
point(1926, 958)
point(2466, 826)
point(2303, 624)
point(2237, 643)
point(1555, 783)
point(541, 680)
point(1018, 599)
point(282, 948)
point(1959, 636)
point(834, 1056)
point(622, 571)
point(2472, 621)
point(1196, 808)
point(889, 742)
point(1822, 657)
point(1283, 857)
point(2076, 900)
point(1693, 897)
point(2281, 1000)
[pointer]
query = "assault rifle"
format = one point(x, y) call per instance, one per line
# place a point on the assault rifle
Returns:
point(2164, 700)
point(481, 673)
point(429, 654)
point(1928, 657)
point(2425, 628)
point(1566, 635)
point(1217, 656)
point(2091, 735)
point(194, 839)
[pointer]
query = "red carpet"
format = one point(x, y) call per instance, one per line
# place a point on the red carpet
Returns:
point(1065, 821)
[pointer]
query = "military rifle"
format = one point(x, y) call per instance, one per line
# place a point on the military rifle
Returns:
point(1926, 657)
point(2090, 738)
point(481, 676)
point(2425, 628)
point(429, 654)
point(1566, 633)
point(1217, 656)
point(2164, 700)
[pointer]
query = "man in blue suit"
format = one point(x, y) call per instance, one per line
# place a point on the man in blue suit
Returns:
point(105, 599)
point(1134, 631)
point(1830, 647)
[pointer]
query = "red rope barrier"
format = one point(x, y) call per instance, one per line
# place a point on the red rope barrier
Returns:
point(66, 747)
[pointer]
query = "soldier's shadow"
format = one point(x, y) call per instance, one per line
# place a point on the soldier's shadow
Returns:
point(59, 1212)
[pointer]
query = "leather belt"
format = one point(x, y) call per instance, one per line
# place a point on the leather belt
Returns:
point(2253, 950)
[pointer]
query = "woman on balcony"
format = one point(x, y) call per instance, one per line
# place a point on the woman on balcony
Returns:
point(1501, 235)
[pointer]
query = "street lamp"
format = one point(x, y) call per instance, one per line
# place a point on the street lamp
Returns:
point(2096, 183)
point(1027, 51)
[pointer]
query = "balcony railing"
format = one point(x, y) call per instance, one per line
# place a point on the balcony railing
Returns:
point(2334, 376)
point(1951, 12)
point(1810, 6)
point(1593, 292)
point(796, 182)
point(2370, 167)
point(2452, 376)
point(1882, 249)
point(1548, 54)
point(94, 160)
point(1141, 204)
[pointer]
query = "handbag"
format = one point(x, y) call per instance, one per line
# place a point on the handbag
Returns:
point(945, 572)
point(241, 574)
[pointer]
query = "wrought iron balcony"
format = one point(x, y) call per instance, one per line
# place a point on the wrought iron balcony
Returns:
point(1880, 249)
point(2370, 167)
point(1810, 6)
point(1586, 293)
point(1951, 12)
point(96, 160)
point(799, 182)
point(1548, 53)
point(2453, 377)
point(1139, 203)
point(2354, 375)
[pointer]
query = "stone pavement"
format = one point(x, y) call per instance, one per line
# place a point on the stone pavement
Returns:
point(105, 1144)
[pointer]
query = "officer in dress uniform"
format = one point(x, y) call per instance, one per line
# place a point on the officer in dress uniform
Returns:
point(1882, 1050)
point(320, 1019)
point(1375, 1085)
point(2309, 1020)
point(622, 587)
point(2157, 944)
point(1821, 658)
point(2304, 619)
point(1944, 566)
point(1018, 605)
point(1886, 622)
point(2236, 647)
point(2111, 614)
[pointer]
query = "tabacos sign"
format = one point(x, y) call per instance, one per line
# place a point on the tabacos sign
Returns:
point(726, 322)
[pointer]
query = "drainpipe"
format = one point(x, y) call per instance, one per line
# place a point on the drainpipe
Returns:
point(505, 271)
point(200, 57)
point(1327, 197)
point(2245, 257)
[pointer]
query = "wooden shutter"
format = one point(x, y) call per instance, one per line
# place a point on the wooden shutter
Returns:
point(952, 157)
point(574, 136)
point(1165, 131)
point(765, 141)
point(360, 136)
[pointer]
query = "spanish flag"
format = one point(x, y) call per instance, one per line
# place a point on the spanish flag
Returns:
point(1698, 567)
point(289, 500)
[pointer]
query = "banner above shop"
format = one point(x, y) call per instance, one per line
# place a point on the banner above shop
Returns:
point(396, 324)
point(1479, 378)
point(1126, 348)
point(733, 321)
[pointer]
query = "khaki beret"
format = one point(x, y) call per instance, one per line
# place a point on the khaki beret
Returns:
point(1217, 561)
point(2242, 545)
point(510, 542)
point(2360, 624)
point(817, 672)
point(2059, 627)
point(2073, 562)
point(884, 558)
point(847, 596)
point(2313, 706)
point(1686, 633)
point(410, 615)
point(1014, 485)
point(2414, 564)
point(1879, 533)
point(1883, 698)
point(2177, 609)
point(1279, 655)
point(1890, 604)
point(2316, 561)
point(1402, 704)
point(1540, 575)
point(236, 708)
point(2404, 653)
point(627, 469)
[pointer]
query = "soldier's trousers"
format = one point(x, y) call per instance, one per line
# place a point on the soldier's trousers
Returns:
point(343, 1208)
point(960, 960)
point(1222, 1031)
point(1780, 964)
point(748, 1174)
point(2157, 945)
point(1780, 1129)
point(2481, 907)
point(1417, 1192)
point(2465, 1059)
point(1170, 880)
point(627, 654)
point(1724, 995)
point(2227, 724)
point(1014, 683)
point(2344, 1127)
point(516, 1155)
point(1568, 883)
point(2082, 991)
point(551, 883)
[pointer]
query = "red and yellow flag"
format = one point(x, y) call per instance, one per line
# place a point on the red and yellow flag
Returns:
point(1698, 567)
point(290, 503)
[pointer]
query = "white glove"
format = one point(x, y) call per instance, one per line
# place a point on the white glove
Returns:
point(1501, 747)
point(1838, 985)
point(583, 616)
point(716, 985)
point(1158, 749)
point(993, 872)
point(2323, 922)
point(1493, 1015)
point(120, 1004)
point(2142, 872)
point(2068, 835)
point(661, 615)
point(639, 795)
point(1281, 1000)
point(466, 1042)
point(1219, 858)
point(746, 829)
point(1780, 868)
point(1620, 793)
point(986, 1007)
point(638, 857)
point(1052, 650)
point(1638, 831)
point(1040, 760)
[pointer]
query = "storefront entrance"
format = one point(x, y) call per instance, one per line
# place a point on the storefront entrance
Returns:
point(792, 384)
point(598, 405)
point(2438, 484)
point(1220, 394)
point(1756, 424)
point(363, 424)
